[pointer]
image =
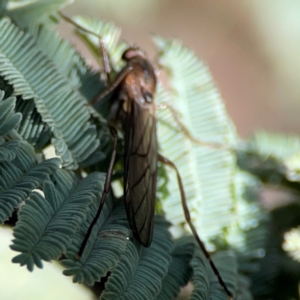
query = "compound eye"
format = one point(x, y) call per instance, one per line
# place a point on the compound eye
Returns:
point(148, 97)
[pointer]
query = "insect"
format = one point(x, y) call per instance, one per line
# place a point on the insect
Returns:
point(133, 110)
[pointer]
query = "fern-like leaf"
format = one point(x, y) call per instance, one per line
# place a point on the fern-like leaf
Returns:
point(276, 152)
point(206, 284)
point(111, 242)
point(7, 150)
point(207, 171)
point(46, 224)
point(131, 265)
point(147, 265)
point(32, 128)
point(20, 175)
point(69, 62)
point(8, 118)
point(33, 76)
point(110, 35)
point(180, 271)
point(36, 11)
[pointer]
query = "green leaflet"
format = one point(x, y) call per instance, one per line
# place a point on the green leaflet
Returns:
point(8, 118)
point(46, 224)
point(35, 11)
point(32, 128)
point(89, 268)
point(274, 152)
point(110, 35)
point(180, 271)
point(69, 62)
point(150, 264)
point(7, 150)
point(215, 187)
point(207, 172)
point(206, 285)
point(20, 174)
point(244, 287)
point(33, 76)
point(131, 265)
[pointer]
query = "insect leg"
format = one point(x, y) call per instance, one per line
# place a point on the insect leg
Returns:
point(106, 189)
point(186, 132)
point(105, 61)
point(71, 21)
point(189, 221)
point(105, 58)
point(113, 86)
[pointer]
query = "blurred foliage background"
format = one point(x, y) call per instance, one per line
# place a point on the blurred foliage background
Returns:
point(251, 47)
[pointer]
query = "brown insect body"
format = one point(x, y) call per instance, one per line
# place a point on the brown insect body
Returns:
point(133, 107)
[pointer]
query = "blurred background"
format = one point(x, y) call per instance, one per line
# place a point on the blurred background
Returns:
point(252, 48)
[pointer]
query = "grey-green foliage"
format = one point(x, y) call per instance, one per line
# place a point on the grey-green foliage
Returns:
point(207, 171)
point(180, 269)
point(32, 128)
point(55, 217)
point(20, 176)
point(209, 167)
point(20, 170)
point(45, 87)
point(49, 77)
point(55, 220)
point(273, 154)
point(206, 283)
point(36, 78)
point(24, 14)
point(8, 118)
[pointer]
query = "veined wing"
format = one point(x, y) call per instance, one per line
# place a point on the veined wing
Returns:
point(140, 170)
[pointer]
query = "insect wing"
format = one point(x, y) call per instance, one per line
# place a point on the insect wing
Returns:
point(140, 171)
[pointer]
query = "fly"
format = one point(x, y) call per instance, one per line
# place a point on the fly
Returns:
point(133, 110)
